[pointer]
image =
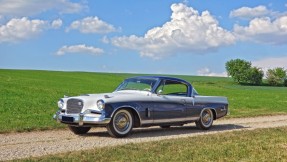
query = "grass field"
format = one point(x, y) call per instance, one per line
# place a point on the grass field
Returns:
point(28, 98)
point(256, 145)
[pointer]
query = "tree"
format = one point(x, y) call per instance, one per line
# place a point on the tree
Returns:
point(255, 76)
point(238, 70)
point(242, 72)
point(276, 76)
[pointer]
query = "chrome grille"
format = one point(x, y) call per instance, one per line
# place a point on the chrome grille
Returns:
point(74, 106)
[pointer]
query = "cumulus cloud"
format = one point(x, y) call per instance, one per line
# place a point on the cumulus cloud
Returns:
point(21, 29)
point(57, 23)
point(92, 25)
point(249, 13)
point(207, 72)
point(16, 8)
point(81, 49)
point(188, 31)
point(264, 30)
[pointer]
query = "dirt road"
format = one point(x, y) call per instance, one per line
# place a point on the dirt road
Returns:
point(22, 145)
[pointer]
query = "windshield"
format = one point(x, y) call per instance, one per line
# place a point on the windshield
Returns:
point(137, 84)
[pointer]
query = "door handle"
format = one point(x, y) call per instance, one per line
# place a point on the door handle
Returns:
point(183, 101)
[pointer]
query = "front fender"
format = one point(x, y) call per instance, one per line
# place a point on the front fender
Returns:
point(111, 108)
point(135, 108)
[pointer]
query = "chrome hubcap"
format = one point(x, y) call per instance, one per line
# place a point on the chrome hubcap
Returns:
point(206, 117)
point(122, 122)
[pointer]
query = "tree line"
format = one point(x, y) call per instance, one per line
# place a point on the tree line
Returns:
point(243, 72)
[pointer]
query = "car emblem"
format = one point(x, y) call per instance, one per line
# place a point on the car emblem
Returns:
point(80, 103)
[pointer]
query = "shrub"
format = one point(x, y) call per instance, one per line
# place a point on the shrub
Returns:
point(276, 76)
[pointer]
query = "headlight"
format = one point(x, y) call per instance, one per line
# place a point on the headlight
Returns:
point(60, 104)
point(101, 104)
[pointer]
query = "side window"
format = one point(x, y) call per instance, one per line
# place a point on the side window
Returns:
point(172, 88)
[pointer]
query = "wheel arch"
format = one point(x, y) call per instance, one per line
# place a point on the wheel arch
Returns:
point(136, 116)
point(214, 113)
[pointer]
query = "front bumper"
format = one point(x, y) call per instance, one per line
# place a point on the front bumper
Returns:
point(81, 119)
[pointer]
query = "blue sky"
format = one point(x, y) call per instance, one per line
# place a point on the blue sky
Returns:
point(156, 37)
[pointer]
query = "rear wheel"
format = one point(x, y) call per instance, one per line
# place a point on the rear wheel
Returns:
point(79, 130)
point(121, 124)
point(206, 119)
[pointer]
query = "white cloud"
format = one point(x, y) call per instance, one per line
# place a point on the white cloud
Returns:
point(81, 49)
point(20, 8)
point(264, 30)
point(57, 23)
point(188, 31)
point(92, 25)
point(249, 13)
point(207, 72)
point(21, 29)
point(271, 62)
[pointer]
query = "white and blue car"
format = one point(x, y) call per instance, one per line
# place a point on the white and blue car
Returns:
point(141, 102)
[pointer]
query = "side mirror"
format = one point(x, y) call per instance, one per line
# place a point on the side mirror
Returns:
point(159, 92)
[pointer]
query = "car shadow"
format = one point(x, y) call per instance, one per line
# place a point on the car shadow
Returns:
point(181, 130)
point(175, 130)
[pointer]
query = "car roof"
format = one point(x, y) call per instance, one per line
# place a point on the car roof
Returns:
point(161, 78)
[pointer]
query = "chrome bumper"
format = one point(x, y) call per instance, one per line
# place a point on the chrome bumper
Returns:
point(81, 119)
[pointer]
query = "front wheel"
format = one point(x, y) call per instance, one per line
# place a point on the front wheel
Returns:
point(79, 130)
point(121, 124)
point(206, 119)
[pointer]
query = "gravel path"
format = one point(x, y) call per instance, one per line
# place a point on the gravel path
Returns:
point(23, 145)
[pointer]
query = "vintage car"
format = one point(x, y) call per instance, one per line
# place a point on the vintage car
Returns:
point(141, 102)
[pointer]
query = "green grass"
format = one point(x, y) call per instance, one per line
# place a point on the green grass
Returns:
point(28, 98)
point(256, 145)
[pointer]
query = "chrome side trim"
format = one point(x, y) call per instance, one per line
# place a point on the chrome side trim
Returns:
point(192, 118)
point(147, 122)
point(185, 119)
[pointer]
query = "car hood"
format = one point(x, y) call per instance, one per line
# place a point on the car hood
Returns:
point(90, 100)
point(117, 95)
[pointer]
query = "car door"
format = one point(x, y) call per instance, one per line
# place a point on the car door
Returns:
point(169, 102)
